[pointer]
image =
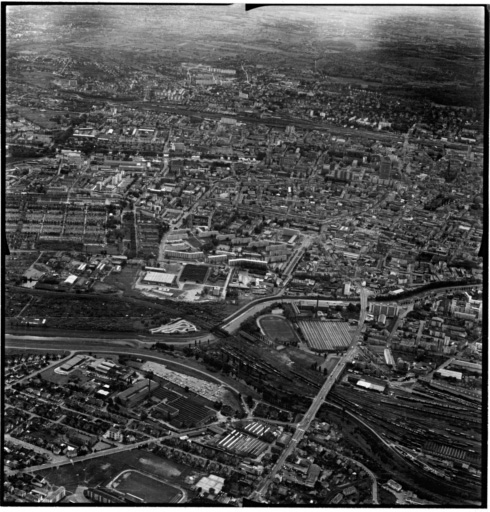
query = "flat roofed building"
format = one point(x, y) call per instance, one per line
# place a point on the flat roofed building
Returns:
point(159, 278)
point(449, 374)
point(394, 485)
point(211, 482)
point(137, 393)
point(71, 279)
point(468, 365)
point(370, 386)
point(103, 495)
point(246, 262)
point(74, 361)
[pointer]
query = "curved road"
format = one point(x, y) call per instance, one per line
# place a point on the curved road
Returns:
point(229, 323)
point(368, 472)
point(371, 475)
point(49, 344)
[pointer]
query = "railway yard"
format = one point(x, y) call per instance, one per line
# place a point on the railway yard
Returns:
point(433, 432)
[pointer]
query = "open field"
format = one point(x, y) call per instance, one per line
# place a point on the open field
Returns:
point(332, 363)
point(102, 470)
point(37, 117)
point(51, 376)
point(302, 358)
point(149, 489)
point(277, 329)
point(38, 78)
point(326, 336)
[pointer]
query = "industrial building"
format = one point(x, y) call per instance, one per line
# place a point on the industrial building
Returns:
point(159, 278)
point(70, 365)
point(137, 393)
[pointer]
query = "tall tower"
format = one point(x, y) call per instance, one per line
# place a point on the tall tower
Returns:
point(405, 144)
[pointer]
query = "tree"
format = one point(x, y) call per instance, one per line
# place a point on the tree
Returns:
point(250, 401)
point(208, 246)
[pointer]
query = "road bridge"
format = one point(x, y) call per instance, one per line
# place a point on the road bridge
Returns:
point(104, 453)
point(310, 415)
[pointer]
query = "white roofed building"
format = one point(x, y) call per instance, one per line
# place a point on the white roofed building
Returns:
point(159, 278)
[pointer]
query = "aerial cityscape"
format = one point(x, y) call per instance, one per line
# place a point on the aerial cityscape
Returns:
point(244, 259)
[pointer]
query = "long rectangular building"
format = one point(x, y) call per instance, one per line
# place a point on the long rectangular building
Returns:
point(159, 278)
point(326, 336)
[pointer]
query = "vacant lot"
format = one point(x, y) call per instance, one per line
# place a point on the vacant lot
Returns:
point(147, 488)
point(123, 280)
point(277, 329)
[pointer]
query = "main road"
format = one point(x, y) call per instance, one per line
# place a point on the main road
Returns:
point(232, 321)
point(122, 338)
point(103, 453)
point(304, 424)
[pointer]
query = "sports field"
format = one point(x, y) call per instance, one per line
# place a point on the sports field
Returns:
point(326, 336)
point(147, 488)
point(102, 470)
point(277, 328)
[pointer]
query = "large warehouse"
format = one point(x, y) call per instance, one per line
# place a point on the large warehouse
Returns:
point(160, 278)
point(326, 336)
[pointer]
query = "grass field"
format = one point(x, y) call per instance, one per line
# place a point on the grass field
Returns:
point(277, 329)
point(124, 280)
point(102, 470)
point(147, 488)
point(37, 117)
point(51, 376)
point(332, 363)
